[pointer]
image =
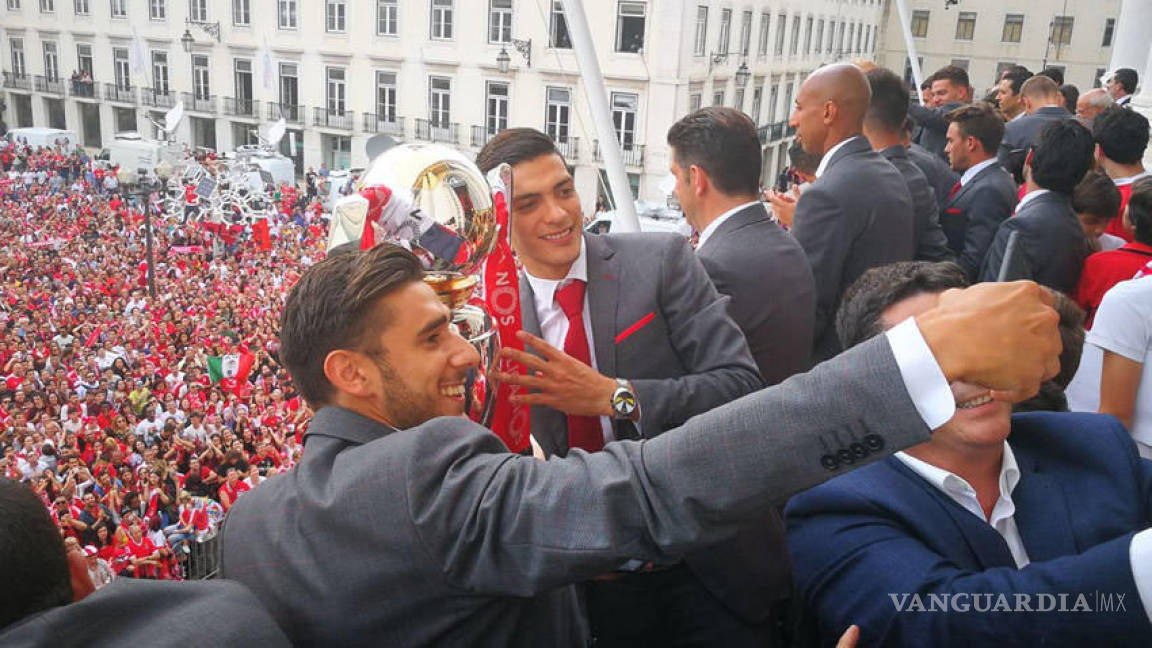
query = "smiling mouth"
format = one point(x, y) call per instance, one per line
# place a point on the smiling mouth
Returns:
point(562, 234)
point(982, 399)
point(453, 391)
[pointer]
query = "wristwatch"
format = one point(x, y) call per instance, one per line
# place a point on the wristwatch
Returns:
point(625, 406)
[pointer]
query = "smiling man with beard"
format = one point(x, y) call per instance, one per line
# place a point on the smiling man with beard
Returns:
point(1063, 506)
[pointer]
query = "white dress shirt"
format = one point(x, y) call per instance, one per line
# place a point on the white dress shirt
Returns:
point(1029, 197)
point(829, 153)
point(714, 225)
point(974, 169)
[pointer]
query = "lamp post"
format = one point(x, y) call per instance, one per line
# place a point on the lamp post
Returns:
point(742, 75)
point(137, 182)
point(524, 47)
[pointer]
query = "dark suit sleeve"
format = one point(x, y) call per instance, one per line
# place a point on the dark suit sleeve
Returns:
point(718, 366)
point(930, 118)
point(851, 558)
point(986, 212)
point(819, 227)
point(933, 243)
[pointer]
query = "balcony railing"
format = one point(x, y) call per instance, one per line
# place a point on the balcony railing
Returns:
point(291, 114)
point(332, 119)
point(157, 98)
point(430, 132)
point(50, 85)
point(374, 124)
point(241, 107)
point(773, 132)
point(84, 89)
point(570, 149)
point(17, 81)
point(633, 155)
point(480, 136)
point(119, 93)
point(199, 103)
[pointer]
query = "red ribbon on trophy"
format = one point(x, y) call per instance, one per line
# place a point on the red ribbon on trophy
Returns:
point(510, 422)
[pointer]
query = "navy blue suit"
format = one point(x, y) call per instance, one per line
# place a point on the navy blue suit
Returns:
point(1083, 493)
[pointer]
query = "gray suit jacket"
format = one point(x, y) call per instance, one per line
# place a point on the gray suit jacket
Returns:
point(933, 134)
point(856, 216)
point(973, 214)
point(931, 244)
point(1021, 133)
point(437, 535)
point(1051, 247)
point(940, 175)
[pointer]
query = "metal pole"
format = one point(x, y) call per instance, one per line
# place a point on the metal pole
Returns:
point(625, 220)
point(910, 45)
point(144, 195)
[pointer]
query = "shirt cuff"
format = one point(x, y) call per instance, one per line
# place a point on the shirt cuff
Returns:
point(922, 376)
point(1140, 555)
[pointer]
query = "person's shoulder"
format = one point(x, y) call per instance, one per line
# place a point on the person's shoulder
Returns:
point(864, 488)
point(1137, 289)
point(1081, 439)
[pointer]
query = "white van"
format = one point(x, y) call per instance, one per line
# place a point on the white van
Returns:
point(37, 136)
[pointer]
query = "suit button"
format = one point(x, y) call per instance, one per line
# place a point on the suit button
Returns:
point(845, 456)
point(874, 442)
point(830, 462)
point(858, 450)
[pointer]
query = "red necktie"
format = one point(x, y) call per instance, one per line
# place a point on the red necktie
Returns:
point(583, 431)
point(955, 190)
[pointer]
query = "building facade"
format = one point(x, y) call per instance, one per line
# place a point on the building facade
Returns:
point(451, 71)
point(987, 36)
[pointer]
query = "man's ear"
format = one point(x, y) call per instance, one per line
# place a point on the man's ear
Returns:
point(831, 110)
point(698, 180)
point(348, 372)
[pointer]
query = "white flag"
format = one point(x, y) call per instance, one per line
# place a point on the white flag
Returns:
point(138, 58)
point(276, 132)
point(173, 117)
point(267, 67)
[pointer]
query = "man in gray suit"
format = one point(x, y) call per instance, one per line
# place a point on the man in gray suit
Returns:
point(405, 524)
point(657, 329)
point(884, 128)
point(858, 213)
point(1043, 103)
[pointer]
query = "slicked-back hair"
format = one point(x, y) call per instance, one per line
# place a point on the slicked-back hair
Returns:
point(1056, 74)
point(32, 558)
point(979, 120)
point(1140, 210)
point(889, 105)
point(513, 146)
point(1062, 155)
point(1122, 134)
point(955, 74)
point(1017, 75)
point(723, 142)
point(1071, 95)
point(1127, 78)
point(335, 305)
point(862, 308)
point(1096, 197)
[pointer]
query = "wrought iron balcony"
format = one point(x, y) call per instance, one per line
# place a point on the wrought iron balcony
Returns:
point(375, 124)
point(17, 81)
point(480, 136)
point(332, 119)
point(633, 155)
point(199, 103)
point(570, 149)
point(50, 85)
point(84, 89)
point(292, 114)
point(120, 93)
point(157, 98)
point(428, 131)
point(241, 107)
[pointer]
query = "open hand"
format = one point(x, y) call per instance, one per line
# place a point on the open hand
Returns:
point(784, 205)
point(558, 380)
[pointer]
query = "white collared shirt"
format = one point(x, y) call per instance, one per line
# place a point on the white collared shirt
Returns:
point(1029, 197)
point(553, 321)
point(829, 153)
point(1124, 100)
point(974, 169)
point(714, 225)
point(960, 491)
point(1120, 182)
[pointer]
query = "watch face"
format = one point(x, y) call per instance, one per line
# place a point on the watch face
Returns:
point(624, 402)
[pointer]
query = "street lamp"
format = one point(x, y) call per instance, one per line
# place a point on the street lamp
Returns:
point(139, 183)
point(523, 47)
point(742, 75)
point(186, 41)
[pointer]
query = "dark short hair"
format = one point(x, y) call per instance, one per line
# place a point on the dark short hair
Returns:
point(1096, 196)
point(802, 160)
point(1016, 75)
point(1056, 74)
point(723, 142)
point(954, 74)
point(1062, 155)
point(513, 146)
point(1122, 134)
point(1039, 87)
point(889, 105)
point(1071, 327)
point(1127, 78)
point(979, 120)
point(865, 301)
point(1140, 210)
point(334, 306)
point(1071, 95)
point(32, 556)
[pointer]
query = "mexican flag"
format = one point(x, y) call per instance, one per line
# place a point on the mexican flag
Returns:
point(230, 370)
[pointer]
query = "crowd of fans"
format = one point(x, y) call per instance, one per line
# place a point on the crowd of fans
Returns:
point(107, 408)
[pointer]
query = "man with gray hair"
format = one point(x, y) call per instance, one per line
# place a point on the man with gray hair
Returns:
point(1091, 104)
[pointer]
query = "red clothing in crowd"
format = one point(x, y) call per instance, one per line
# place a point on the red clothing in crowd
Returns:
point(1116, 226)
point(232, 492)
point(1103, 270)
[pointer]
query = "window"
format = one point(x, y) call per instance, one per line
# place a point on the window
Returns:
point(725, 31)
point(1099, 78)
point(694, 102)
point(1013, 28)
point(820, 36)
point(787, 99)
point(630, 27)
point(558, 29)
point(336, 92)
point(746, 33)
point(700, 43)
point(920, 23)
point(794, 45)
point(387, 18)
point(84, 58)
point(121, 68)
point(440, 102)
point(965, 25)
point(831, 35)
point(289, 91)
point(386, 96)
point(201, 89)
point(119, 8)
point(773, 99)
point(242, 71)
point(47, 6)
point(1061, 30)
point(442, 19)
point(198, 10)
point(160, 73)
point(624, 118)
point(1109, 30)
point(757, 99)
point(556, 114)
point(908, 71)
point(738, 99)
point(82, 7)
point(718, 98)
point(808, 36)
point(961, 63)
point(763, 49)
point(335, 15)
point(840, 38)
point(496, 107)
point(51, 61)
point(781, 21)
point(14, 4)
point(242, 12)
point(286, 14)
point(1001, 68)
point(500, 21)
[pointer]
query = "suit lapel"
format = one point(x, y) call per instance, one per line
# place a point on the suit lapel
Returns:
point(603, 297)
point(743, 218)
point(1043, 516)
point(528, 320)
point(856, 145)
point(971, 183)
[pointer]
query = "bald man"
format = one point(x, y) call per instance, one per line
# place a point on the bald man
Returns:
point(1091, 104)
point(1043, 103)
point(858, 212)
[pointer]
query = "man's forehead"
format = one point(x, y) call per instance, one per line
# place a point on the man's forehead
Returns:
point(538, 175)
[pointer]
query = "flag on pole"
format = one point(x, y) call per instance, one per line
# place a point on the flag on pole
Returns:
point(266, 66)
point(231, 369)
point(137, 58)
